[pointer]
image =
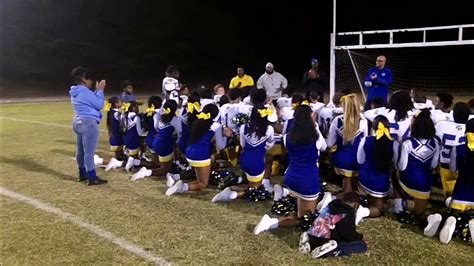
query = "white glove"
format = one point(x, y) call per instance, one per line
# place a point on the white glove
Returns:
point(368, 83)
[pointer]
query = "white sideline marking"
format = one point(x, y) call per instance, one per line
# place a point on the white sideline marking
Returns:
point(124, 244)
point(42, 123)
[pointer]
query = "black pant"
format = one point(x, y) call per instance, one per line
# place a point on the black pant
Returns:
point(348, 248)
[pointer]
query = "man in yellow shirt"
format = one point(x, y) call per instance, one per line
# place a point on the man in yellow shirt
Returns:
point(242, 81)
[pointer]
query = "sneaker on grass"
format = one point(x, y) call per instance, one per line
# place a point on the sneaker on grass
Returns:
point(448, 229)
point(328, 247)
point(142, 173)
point(434, 220)
point(361, 213)
point(304, 247)
point(97, 160)
point(171, 179)
point(265, 224)
point(113, 164)
point(176, 188)
point(225, 195)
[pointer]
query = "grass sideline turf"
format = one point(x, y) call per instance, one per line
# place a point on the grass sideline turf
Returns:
point(37, 161)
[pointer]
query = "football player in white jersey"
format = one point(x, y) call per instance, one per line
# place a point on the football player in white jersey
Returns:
point(315, 102)
point(443, 103)
point(329, 112)
point(420, 101)
point(451, 134)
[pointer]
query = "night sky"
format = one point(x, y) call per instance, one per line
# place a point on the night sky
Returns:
point(42, 40)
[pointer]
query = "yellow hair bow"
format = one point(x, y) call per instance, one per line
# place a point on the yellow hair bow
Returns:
point(166, 111)
point(204, 116)
point(107, 106)
point(343, 98)
point(470, 141)
point(265, 112)
point(382, 131)
point(305, 103)
point(194, 107)
point(125, 107)
point(294, 105)
point(417, 113)
point(150, 110)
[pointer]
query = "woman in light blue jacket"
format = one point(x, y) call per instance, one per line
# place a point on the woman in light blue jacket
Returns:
point(87, 105)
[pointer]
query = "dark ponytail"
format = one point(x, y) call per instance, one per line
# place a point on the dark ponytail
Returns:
point(422, 126)
point(172, 106)
point(401, 103)
point(191, 116)
point(110, 113)
point(201, 126)
point(133, 107)
point(383, 150)
point(303, 130)
point(257, 123)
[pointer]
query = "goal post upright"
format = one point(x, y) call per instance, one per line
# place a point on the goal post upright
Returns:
point(459, 40)
point(332, 57)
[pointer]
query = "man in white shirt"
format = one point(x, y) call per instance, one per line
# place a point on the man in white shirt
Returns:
point(272, 82)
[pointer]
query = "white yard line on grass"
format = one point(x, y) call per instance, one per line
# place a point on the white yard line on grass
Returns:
point(42, 123)
point(124, 244)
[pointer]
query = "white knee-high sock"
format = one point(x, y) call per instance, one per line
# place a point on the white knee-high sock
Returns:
point(274, 223)
point(184, 188)
point(398, 205)
point(233, 195)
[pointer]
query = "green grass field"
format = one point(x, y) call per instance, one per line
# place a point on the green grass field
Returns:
point(37, 161)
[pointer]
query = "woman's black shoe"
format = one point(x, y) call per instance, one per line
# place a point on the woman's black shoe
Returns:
point(96, 182)
point(81, 179)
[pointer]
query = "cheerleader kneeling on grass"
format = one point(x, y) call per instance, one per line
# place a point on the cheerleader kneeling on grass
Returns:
point(133, 133)
point(303, 142)
point(152, 119)
point(345, 132)
point(375, 155)
point(114, 117)
point(187, 118)
point(164, 142)
point(419, 155)
point(256, 137)
point(198, 153)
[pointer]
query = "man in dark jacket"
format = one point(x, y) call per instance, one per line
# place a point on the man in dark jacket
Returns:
point(334, 231)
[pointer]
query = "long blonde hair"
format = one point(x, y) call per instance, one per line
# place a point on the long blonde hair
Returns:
point(351, 105)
